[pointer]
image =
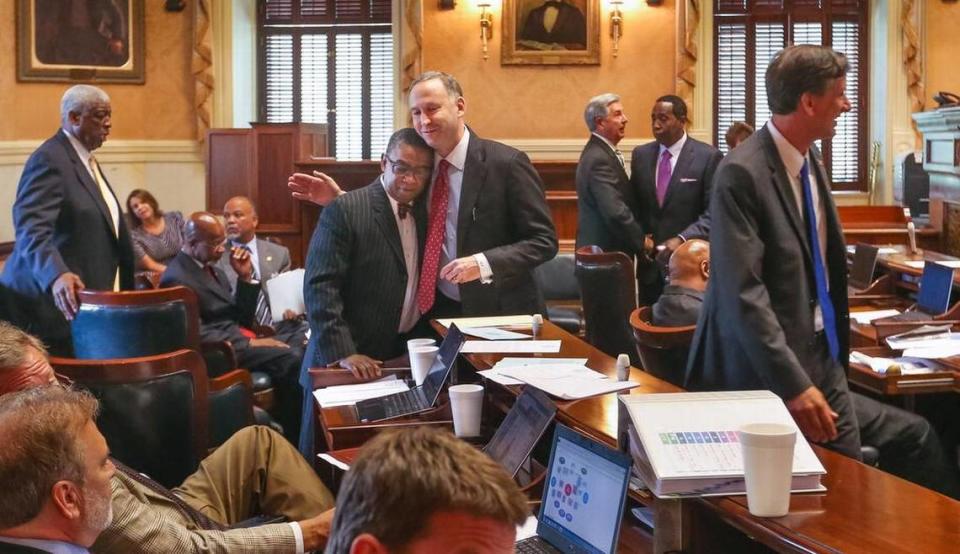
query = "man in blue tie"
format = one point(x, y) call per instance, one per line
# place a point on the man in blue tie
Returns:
point(775, 315)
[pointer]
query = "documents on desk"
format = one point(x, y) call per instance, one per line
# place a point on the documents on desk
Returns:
point(493, 333)
point(930, 342)
point(864, 318)
point(902, 365)
point(852, 248)
point(510, 346)
point(348, 395)
point(286, 293)
point(687, 444)
point(566, 381)
point(496, 375)
point(490, 321)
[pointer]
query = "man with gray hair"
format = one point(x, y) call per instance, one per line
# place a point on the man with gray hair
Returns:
point(69, 233)
point(55, 472)
point(606, 203)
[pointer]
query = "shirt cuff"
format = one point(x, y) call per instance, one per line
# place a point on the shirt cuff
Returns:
point(297, 536)
point(486, 272)
point(682, 239)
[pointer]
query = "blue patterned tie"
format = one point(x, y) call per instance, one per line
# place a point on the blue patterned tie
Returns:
point(819, 271)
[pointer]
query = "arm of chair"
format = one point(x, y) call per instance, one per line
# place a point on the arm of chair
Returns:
point(328, 377)
point(219, 356)
point(229, 379)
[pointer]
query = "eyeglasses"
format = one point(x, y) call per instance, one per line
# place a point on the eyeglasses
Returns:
point(401, 169)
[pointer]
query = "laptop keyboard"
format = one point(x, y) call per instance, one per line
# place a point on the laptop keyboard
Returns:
point(535, 545)
point(400, 403)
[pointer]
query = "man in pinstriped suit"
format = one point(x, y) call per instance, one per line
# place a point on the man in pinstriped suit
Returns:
point(362, 268)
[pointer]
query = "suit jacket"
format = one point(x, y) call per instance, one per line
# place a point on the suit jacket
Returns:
point(221, 313)
point(606, 203)
point(62, 224)
point(504, 214)
point(145, 521)
point(273, 259)
point(356, 277)
point(756, 330)
point(685, 207)
point(677, 307)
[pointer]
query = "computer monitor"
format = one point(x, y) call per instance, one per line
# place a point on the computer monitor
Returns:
point(936, 283)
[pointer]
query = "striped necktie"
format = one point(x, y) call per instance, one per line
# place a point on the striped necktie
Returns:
point(262, 314)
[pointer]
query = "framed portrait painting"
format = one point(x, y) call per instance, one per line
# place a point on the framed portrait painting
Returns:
point(80, 40)
point(551, 32)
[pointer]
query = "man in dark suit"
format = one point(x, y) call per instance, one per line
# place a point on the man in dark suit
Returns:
point(671, 177)
point(362, 271)
point(69, 233)
point(775, 315)
point(227, 316)
point(606, 203)
point(682, 298)
point(556, 22)
point(489, 225)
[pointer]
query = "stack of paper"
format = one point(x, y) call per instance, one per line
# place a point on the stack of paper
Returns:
point(687, 443)
point(491, 321)
point(493, 333)
point(286, 293)
point(567, 381)
point(348, 395)
point(496, 373)
point(864, 318)
point(930, 342)
point(510, 346)
point(903, 365)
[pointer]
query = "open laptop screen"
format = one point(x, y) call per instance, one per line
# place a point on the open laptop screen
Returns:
point(584, 495)
point(864, 264)
point(449, 348)
point(935, 286)
point(519, 432)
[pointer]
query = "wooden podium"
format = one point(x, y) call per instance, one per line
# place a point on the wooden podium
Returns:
point(941, 159)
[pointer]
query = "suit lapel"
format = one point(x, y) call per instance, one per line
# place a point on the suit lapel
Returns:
point(605, 149)
point(683, 162)
point(649, 169)
point(383, 214)
point(781, 183)
point(203, 279)
point(474, 175)
point(834, 231)
point(88, 183)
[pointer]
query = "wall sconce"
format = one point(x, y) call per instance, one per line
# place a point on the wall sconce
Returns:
point(486, 25)
point(616, 25)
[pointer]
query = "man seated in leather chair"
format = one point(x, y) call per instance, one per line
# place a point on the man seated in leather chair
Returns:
point(228, 316)
point(908, 445)
point(255, 472)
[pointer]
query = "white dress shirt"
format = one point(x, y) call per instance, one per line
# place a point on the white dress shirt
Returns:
point(407, 226)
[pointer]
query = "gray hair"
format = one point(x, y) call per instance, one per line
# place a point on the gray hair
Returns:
point(454, 90)
point(79, 97)
point(597, 107)
point(13, 346)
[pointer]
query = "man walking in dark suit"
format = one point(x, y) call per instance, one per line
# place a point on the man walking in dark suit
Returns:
point(69, 233)
point(489, 225)
point(222, 313)
point(775, 315)
point(606, 203)
point(362, 272)
point(671, 177)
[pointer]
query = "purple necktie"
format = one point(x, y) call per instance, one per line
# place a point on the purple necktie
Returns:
point(663, 176)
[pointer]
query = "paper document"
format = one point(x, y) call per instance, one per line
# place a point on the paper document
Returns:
point(864, 318)
point(916, 264)
point(511, 346)
point(496, 373)
point(348, 395)
point(925, 336)
point(852, 248)
point(286, 293)
point(493, 333)
point(566, 381)
point(496, 376)
point(949, 263)
point(492, 321)
point(905, 365)
point(333, 461)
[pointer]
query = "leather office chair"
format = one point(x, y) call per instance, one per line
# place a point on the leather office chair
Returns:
point(663, 350)
point(608, 288)
point(153, 410)
point(557, 281)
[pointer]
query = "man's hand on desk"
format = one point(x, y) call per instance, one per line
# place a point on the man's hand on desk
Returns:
point(318, 188)
point(461, 270)
point(316, 531)
point(813, 415)
point(65, 290)
point(362, 367)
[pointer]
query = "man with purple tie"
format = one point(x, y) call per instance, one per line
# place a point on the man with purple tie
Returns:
point(671, 179)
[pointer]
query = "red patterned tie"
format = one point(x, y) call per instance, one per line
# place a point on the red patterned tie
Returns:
point(436, 232)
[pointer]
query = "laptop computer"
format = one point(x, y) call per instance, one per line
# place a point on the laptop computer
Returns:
point(864, 264)
point(583, 497)
point(936, 284)
point(420, 398)
point(521, 429)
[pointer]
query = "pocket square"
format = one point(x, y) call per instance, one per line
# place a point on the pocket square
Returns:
point(688, 179)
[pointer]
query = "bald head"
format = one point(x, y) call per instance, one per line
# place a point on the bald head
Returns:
point(203, 237)
point(240, 216)
point(690, 265)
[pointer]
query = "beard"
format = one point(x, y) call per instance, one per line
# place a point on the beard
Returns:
point(98, 510)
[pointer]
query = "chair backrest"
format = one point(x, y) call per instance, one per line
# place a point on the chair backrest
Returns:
point(129, 324)
point(608, 289)
point(153, 410)
point(663, 350)
point(557, 278)
point(231, 405)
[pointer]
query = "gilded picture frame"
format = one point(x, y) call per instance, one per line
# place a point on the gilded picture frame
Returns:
point(98, 41)
point(561, 33)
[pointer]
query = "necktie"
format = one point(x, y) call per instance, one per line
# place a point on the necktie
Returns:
point(403, 208)
point(663, 176)
point(191, 513)
point(620, 157)
point(262, 314)
point(819, 271)
point(212, 273)
point(436, 231)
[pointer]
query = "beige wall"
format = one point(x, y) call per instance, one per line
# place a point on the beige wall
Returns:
point(547, 101)
point(943, 66)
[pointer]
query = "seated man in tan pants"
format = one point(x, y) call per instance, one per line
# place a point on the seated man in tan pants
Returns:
point(255, 472)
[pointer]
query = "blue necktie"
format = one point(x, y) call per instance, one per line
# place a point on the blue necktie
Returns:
point(819, 271)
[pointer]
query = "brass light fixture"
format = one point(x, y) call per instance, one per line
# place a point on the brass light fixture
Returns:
point(616, 25)
point(486, 25)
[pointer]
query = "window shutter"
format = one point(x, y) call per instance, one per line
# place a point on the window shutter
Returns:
point(313, 78)
point(731, 78)
point(808, 33)
point(845, 147)
point(278, 59)
point(769, 39)
point(349, 96)
point(278, 10)
point(314, 8)
point(381, 92)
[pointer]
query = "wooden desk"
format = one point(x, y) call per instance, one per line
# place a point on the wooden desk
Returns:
point(342, 429)
point(864, 510)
